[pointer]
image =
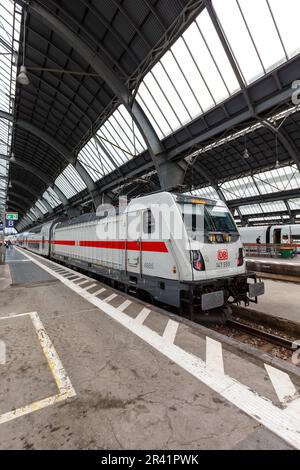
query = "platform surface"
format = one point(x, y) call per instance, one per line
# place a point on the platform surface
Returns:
point(281, 299)
point(89, 367)
point(290, 262)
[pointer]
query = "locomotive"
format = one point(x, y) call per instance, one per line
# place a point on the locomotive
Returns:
point(178, 250)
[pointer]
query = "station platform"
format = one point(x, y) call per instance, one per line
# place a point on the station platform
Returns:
point(277, 266)
point(89, 367)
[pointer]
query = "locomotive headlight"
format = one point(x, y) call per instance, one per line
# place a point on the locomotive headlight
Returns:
point(197, 260)
point(240, 260)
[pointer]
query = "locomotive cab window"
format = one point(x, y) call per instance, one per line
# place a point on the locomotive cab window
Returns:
point(202, 220)
point(148, 222)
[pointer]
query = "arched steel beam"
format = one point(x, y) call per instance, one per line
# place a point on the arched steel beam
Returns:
point(16, 204)
point(170, 173)
point(68, 157)
point(25, 199)
point(5, 115)
point(42, 176)
point(33, 193)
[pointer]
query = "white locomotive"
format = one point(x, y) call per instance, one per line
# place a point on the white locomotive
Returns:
point(180, 250)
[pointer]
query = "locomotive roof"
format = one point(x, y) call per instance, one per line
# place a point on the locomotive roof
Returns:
point(89, 217)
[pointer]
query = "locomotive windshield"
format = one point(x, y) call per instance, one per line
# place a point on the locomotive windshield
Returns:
point(217, 219)
point(203, 218)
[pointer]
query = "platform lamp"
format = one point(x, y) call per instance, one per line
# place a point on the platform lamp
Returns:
point(22, 78)
point(246, 154)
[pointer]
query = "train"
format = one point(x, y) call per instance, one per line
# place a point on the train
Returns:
point(272, 234)
point(177, 250)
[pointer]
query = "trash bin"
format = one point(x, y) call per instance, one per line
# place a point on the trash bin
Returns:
point(286, 252)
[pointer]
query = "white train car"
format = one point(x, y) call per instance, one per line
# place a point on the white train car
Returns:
point(180, 250)
point(272, 234)
point(36, 239)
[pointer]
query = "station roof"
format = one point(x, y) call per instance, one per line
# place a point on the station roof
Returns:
point(213, 78)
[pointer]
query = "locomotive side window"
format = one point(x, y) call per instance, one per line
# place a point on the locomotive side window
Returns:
point(148, 222)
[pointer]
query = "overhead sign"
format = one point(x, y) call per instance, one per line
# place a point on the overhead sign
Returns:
point(10, 223)
point(12, 216)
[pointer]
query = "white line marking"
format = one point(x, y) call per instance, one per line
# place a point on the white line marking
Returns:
point(124, 305)
point(110, 297)
point(214, 355)
point(62, 381)
point(15, 315)
point(257, 407)
point(170, 331)
point(282, 383)
point(82, 282)
point(141, 317)
point(90, 286)
point(99, 291)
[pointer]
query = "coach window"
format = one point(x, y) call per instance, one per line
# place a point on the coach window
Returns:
point(148, 222)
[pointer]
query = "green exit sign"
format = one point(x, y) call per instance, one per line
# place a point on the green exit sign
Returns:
point(12, 216)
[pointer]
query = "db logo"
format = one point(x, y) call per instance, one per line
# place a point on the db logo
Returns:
point(222, 255)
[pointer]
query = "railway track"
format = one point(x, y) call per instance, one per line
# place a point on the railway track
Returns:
point(271, 338)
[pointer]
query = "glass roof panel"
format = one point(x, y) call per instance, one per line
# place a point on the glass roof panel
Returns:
point(279, 179)
point(276, 206)
point(218, 56)
point(250, 209)
point(65, 185)
point(286, 15)
point(208, 192)
point(117, 141)
point(51, 197)
point(190, 78)
point(239, 188)
point(294, 204)
point(239, 38)
point(42, 207)
point(74, 178)
point(261, 33)
point(266, 219)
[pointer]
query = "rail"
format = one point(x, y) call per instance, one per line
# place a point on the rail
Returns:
point(263, 334)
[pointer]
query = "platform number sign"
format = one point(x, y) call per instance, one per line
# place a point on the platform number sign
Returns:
point(12, 216)
point(10, 224)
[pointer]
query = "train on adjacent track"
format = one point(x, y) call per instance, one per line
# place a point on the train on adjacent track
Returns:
point(272, 235)
point(174, 249)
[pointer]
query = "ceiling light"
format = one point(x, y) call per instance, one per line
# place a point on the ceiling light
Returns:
point(22, 78)
point(246, 154)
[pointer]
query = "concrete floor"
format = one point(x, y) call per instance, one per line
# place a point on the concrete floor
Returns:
point(129, 395)
point(281, 299)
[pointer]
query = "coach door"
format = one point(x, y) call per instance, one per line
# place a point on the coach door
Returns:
point(133, 245)
point(277, 236)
